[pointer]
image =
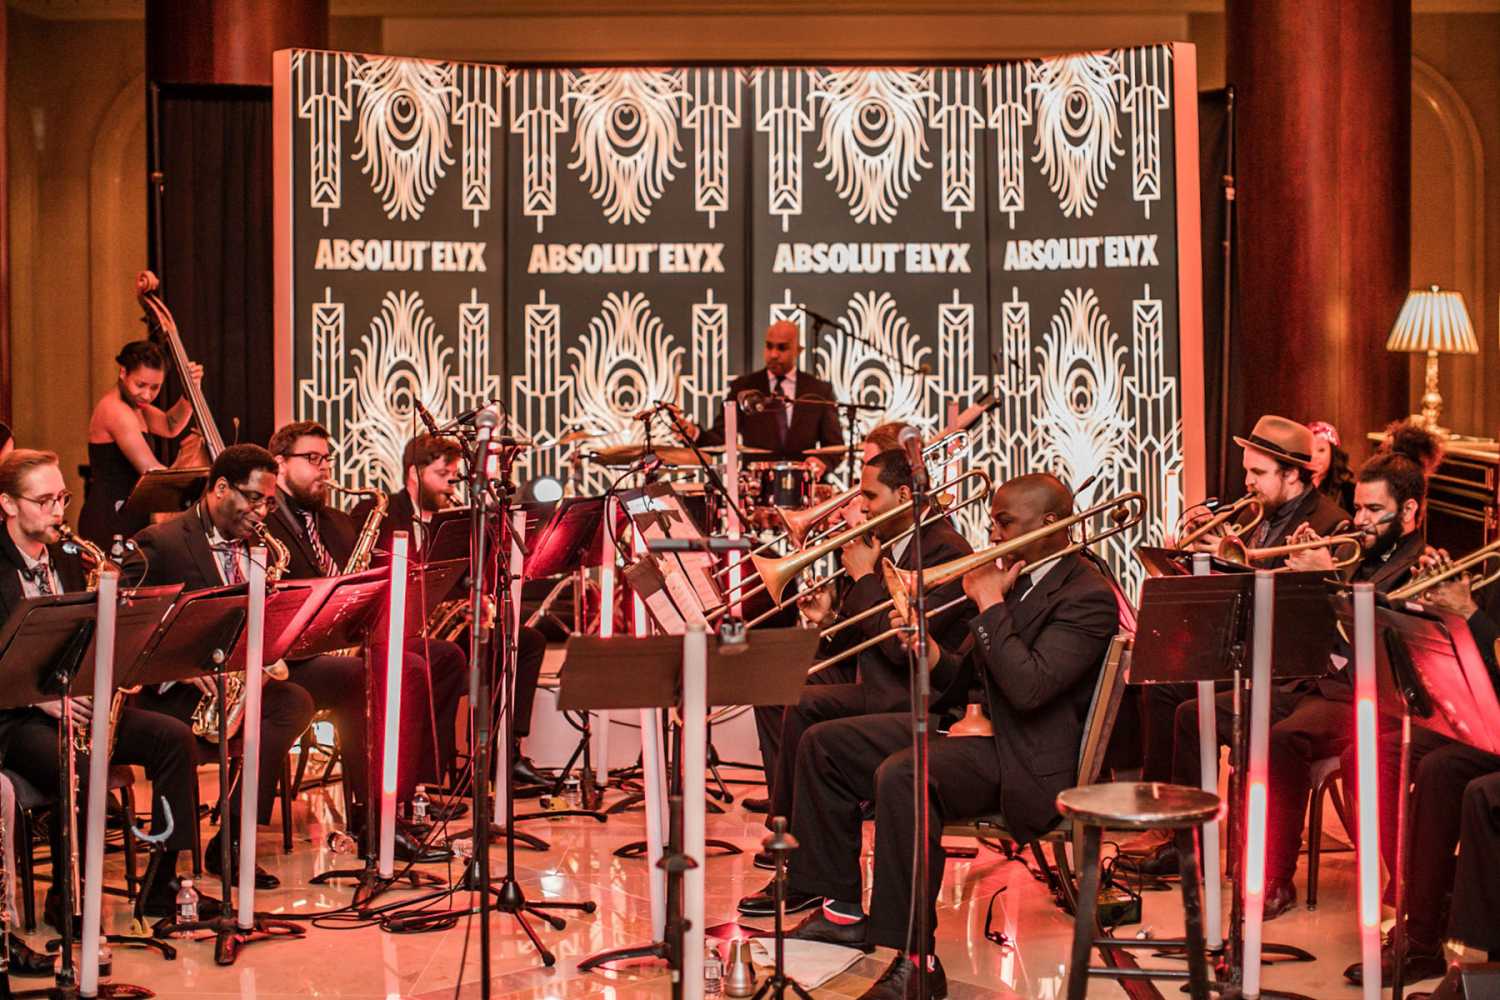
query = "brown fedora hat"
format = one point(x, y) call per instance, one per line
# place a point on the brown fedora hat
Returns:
point(1281, 438)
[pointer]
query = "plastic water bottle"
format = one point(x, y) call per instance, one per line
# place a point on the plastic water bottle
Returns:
point(713, 970)
point(572, 793)
point(342, 842)
point(419, 804)
point(187, 906)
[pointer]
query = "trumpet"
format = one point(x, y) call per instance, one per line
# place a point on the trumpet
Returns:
point(1232, 549)
point(1222, 517)
point(776, 573)
point(1418, 586)
point(1125, 512)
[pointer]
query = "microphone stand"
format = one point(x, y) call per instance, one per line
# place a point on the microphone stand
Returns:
point(842, 327)
point(920, 736)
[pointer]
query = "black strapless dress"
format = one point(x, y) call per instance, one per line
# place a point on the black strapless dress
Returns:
point(111, 478)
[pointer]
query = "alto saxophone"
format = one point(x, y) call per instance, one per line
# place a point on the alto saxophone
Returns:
point(212, 722)
point(95, 563)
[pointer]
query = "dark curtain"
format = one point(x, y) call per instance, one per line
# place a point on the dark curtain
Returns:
point(1214, 128)
point(211, 244)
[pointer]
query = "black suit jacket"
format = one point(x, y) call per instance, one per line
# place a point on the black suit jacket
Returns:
point(175, 551)
point(1038, 661)
point(1386, 575)
point(812, 425)
point(1313, 507)
point(400, 514)
point(70, 574)
point(335, 528)
point(883, 669)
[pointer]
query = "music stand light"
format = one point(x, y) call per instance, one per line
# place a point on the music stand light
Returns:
point(1433, 321)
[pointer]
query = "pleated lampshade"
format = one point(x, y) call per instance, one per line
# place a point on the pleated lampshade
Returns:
point(1433, 319)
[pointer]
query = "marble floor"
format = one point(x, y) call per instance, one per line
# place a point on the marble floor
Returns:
point(343, 957)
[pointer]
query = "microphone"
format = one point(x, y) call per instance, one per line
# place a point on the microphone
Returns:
point(650, 411)
point(486, 419)
point(427, 418)
point(751, 401)
point(816, 317)
point(911, 443)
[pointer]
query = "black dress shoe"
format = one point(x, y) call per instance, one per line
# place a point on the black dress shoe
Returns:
point(525, 772)
point(27, 961)
point(1161, 863)
point(756, 805)
point(441, 812)
point(1281, 895)
point(163, 903)
point(410, 851)
point(1424, 964)
point(214, 864)
point(817, 927)
point(764, 860)
point(899, 981)
point(763, 903)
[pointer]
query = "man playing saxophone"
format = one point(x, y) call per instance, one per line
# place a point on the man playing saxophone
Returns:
point(322, 539)
point(33, 499)
point(208, 546)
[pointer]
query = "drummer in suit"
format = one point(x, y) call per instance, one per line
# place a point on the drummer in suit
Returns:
point(783, 410)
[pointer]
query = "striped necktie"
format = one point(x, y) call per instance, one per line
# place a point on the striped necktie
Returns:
point(320, 552)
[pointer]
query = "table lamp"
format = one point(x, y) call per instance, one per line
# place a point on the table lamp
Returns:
point(1433, 320)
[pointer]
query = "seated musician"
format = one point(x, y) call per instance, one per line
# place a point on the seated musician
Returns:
point(879, 680)
point(321, 538)
point(120, 431)
point(208, 546)
point(430, 471)
point(1278, 472)
point(1314, 719)
point(1034, 652)
point(1455, 802)
point(765, 420)
point(33, 498)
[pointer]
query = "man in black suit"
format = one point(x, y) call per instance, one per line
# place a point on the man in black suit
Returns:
point(431, 467)
point(787, 432)
point(208, 546)
point(320, 539)
point(33, 498)
point(1036, 646)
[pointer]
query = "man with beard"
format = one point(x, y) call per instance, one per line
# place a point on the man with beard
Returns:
point(1314, 719)
point(431, 469)
point(208, 546)
point(320, 539)
point(1278, 458)
point(33, 499)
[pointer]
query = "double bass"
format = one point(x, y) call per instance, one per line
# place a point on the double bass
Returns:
point(203, 444)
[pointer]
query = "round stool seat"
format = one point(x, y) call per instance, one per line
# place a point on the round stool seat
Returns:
point(1139, 805)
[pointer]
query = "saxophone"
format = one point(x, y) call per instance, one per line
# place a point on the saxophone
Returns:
point(95, 562)
point(212, 722)
point(364, 545)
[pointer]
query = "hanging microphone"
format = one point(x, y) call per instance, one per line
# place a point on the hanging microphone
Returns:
point(911, 443)
point(427, 418)
point(751, 401)
point(816, 317)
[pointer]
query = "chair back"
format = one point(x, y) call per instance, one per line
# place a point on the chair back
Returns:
point(1099, 724)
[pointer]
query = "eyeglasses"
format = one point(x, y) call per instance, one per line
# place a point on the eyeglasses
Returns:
point(316, 459)
point(265, 501)
point(58, 501)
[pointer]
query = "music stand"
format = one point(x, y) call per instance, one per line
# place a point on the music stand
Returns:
point(49, 654)
point(448, 536)
point(645, 673)
point(1158, 561)
point(167, 491)
point(1199, 628)
point(1429, 673)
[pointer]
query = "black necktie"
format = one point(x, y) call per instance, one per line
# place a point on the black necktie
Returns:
point(783, 410)
point(1021, 589)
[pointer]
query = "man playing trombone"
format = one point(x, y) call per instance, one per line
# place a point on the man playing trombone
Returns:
point(879, 680)
point(1033, 655)
point(1313, 719)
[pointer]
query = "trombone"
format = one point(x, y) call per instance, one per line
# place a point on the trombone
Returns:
point(776, 573)
point(1125, 512)
point(1221, 518)
point(1232, 549)
point(1418, 586)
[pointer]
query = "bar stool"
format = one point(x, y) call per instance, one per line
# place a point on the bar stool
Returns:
point(1123, 805)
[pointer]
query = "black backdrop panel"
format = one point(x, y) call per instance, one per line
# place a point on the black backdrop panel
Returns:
point(396, 265)
point(869, 209)
point(211, 245)
point(626, 249)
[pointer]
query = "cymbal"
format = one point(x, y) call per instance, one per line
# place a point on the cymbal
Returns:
point(719, 449)
point(573, 437)
point(622, 455)
point(830, 451)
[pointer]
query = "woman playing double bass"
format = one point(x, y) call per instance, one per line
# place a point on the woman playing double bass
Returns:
point(120, 449)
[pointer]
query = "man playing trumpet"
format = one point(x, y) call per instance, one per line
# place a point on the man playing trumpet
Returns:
point(1033, 655)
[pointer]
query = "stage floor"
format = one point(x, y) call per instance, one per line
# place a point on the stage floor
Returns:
point(351, 961)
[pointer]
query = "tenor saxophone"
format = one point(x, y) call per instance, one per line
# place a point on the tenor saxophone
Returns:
point(95, 563)
point(211, 721)
point(364, 545)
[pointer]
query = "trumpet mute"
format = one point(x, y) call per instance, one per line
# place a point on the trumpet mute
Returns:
point(974, 723)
